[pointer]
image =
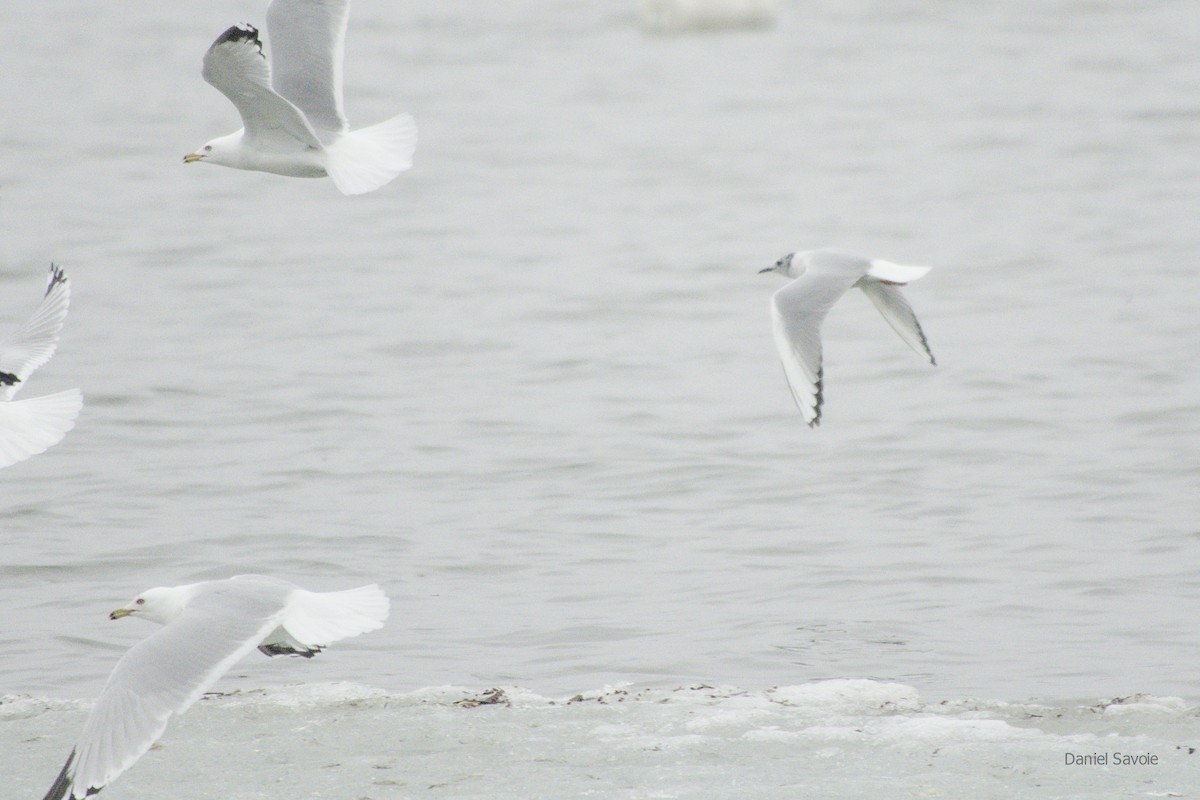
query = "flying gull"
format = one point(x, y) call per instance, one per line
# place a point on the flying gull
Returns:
point(28, 427)
point(207, 628)
point(821, 278)
point(292, 118)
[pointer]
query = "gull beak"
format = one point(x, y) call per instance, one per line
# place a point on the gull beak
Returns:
point(120, 612)
point(768, 269)
point(190, 157)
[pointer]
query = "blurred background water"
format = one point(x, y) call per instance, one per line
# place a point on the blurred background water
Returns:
point(530, 386)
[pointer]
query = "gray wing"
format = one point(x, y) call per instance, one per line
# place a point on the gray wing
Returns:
point(236, 67)
point(896, 310)
point(164, 674)
point(307, 49)
point(797, 311)
point(33, 344)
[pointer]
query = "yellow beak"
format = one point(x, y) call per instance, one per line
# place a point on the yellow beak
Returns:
point(120, 612)
point(190, 157)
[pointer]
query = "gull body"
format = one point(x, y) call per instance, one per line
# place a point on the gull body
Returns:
point(207, 628)
point(227, 151)
point(29, 427)
point(293, 122)
point(820, 278)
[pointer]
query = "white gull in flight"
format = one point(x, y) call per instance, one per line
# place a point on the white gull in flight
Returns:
point(28, 427)
point(292, 118)
point(797, 310)
point(207, 628)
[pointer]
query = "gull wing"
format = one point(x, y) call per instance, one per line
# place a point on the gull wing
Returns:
point(308, 39)
point(797, 311)
point(236, 67)
point(29, 427)
point(896, 310)
point(33, 344)
point(161, 676)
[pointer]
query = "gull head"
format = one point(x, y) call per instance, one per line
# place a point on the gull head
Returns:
point(159, 605)
point(225, 151)
point(789, 265)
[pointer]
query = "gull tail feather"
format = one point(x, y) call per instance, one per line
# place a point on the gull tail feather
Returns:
point(895, 273)
point(363, 160)
point(319, 618)
point(29, 427)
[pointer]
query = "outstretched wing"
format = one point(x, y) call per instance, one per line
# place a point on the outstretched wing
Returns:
point(33, 344)
point(29, 427)
point(797, 311)
point(896, 310)
point(236, 67)
point(161, 676)
point(308, 39)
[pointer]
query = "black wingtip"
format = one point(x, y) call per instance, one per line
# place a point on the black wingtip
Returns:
point(240, 33)
point(62, 784)
point(820, 395)
point(279, 649)
point(924, 341)
point(57, 276)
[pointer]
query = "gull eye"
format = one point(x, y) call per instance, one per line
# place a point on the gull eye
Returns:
point(207, 147)
point(141, 601)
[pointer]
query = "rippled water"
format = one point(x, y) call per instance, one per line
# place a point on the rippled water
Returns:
point(530, 387)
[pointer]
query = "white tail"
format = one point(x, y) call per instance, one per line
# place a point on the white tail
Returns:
point(895, 273)
point(29, 427)
point(318, 618)
point(363, 160)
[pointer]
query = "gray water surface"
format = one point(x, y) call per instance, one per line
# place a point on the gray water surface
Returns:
point(530, 386)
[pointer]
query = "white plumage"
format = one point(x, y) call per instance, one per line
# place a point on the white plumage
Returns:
point(208, 627)
point(29, 427)
point(797, 310)
point(293, 121)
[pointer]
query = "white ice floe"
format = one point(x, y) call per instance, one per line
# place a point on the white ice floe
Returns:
point(29, 427)
point(208, 627)
point(836, 738)
point(798, 309)
point(292, 116)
